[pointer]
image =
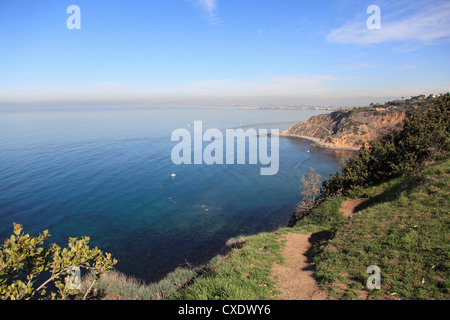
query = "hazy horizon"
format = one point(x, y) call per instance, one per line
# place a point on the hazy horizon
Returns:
point(200, 103)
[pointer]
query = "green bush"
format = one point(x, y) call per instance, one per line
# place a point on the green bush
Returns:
point(24, 262)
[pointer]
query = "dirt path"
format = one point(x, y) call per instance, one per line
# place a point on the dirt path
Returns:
point(348, 207)
point(295, 277)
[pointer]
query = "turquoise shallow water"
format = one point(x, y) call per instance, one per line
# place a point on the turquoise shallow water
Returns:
point(106, 174)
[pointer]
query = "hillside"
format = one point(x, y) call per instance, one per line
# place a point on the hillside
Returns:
point(401, 226)
point(348, 129)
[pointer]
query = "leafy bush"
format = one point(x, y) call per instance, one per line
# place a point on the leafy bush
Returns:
point(424, 139)
point(27, 267)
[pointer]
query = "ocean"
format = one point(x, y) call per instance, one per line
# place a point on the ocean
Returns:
point(106, 174)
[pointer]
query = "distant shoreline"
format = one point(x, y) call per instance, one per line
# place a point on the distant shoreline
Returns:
point(93, 106)
point(318, 142)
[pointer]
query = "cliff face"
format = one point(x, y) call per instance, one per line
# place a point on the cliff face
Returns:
point(348, 129)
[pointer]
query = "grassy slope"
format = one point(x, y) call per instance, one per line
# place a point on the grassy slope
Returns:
point(402, 227)
point(243, 275)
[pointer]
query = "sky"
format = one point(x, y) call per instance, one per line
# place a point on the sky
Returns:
point(221, 52)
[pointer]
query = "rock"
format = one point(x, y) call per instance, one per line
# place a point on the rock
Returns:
point(236, 242)
point(348, 129)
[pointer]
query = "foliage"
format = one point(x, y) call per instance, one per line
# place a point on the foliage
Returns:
point(310, 195)
point(27, 267)
point(407, 105)
point(424, 139)
point(310, 191)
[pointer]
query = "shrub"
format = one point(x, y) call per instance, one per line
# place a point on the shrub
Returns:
point(310, 196)
point(24, 262)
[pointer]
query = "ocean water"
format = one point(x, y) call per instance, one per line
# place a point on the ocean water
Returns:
point(106, 173)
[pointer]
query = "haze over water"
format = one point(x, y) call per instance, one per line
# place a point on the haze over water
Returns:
point(106, 173)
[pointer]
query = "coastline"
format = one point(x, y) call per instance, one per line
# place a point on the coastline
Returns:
point(318, 142)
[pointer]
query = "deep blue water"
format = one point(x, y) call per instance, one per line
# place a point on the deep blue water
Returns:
point(106, 174)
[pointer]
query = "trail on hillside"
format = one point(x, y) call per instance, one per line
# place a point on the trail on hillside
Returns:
point(349, 206)
point(295, 278)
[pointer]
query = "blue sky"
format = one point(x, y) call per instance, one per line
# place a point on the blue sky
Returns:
point(220, 52)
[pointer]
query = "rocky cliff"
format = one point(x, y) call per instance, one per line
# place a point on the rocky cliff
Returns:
point(347, 129)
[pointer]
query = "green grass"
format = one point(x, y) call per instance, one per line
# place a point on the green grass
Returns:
point(403, 228)
point(243, 275)
point(325, 216)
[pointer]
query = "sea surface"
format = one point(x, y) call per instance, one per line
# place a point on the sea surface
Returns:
point(106, 174)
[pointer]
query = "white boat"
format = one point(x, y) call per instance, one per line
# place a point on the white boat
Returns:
point(173, 175)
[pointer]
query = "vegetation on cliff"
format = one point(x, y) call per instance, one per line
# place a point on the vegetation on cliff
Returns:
point(415, 102)
point(353, 128)
point(348, 129)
